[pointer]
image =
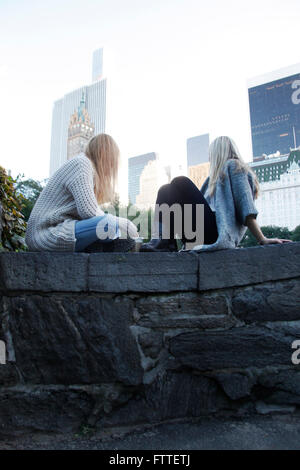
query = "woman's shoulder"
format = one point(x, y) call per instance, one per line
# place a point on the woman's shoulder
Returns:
point(77, 164)
point(231, 164)
point(239, 174)
point(80, 160)
point(72, 169)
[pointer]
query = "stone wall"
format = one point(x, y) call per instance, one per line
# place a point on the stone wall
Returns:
point(106, 340)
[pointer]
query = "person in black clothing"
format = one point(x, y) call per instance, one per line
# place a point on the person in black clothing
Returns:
point(181, 191)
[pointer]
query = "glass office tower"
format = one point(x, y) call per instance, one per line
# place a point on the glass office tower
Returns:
point(274, 102)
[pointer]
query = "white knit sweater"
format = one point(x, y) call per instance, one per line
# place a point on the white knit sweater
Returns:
point(68, 196)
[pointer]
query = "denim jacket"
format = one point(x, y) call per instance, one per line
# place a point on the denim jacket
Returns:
point(234, 201)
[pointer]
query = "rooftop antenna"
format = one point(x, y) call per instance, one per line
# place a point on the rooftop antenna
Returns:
point(294, 133)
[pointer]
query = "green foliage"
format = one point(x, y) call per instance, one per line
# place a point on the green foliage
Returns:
point(31, 190)
point(13, 223)
point(296, 234)
point(269, 231)
point(248, 240)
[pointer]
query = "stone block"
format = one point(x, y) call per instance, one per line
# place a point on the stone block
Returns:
point(172, 395)
point(245, 266)
point(46, 272)
point(71, 340)
point(236, 385)
point(142, 272)
point(272, 301)
point(187, 303)
point(283, 387)
point(240, 347)
point(184, 310)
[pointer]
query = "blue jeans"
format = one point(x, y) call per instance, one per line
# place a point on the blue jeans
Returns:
point(86, 233)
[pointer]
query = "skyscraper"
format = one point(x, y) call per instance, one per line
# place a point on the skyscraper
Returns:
point(136, 166)
point(274, 101)
point(197, 149)
point(64, 108)
point(197, 158)
point(97, 65)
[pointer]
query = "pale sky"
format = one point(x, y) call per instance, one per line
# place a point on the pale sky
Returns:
point(175, 69)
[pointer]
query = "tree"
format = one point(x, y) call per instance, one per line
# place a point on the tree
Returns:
point(269, 231)
point(30, 189)
point(296, 234)
point(272, 231)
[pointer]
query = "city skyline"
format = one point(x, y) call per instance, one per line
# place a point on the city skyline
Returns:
point(169, 76)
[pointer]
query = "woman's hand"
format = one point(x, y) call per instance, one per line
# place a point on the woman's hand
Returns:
point(261, 239)
point(270, 241)
point(128, 229)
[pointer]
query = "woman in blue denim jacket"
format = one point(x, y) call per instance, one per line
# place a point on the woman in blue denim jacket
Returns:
point(219, 214)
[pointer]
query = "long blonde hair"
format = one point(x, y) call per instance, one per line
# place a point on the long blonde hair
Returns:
point(220, 150)
point(104, 153)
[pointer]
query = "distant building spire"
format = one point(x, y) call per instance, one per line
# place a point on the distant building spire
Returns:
point(80, 130)
point(81, 108)
point(295, 141)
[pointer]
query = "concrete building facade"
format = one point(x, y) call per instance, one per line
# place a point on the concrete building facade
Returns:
point(279, 200)
point(153, 176)
point(199, 173)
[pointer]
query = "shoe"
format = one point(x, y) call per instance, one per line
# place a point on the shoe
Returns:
point(159, 244)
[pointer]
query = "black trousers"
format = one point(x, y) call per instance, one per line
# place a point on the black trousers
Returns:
point(183, 191)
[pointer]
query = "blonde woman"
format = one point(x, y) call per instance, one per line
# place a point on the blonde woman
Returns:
point(227, 197)
point(67, 215)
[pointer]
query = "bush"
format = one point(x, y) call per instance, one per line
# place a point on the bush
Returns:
point(296, 234)
point(269, 231)
point(12, 220)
